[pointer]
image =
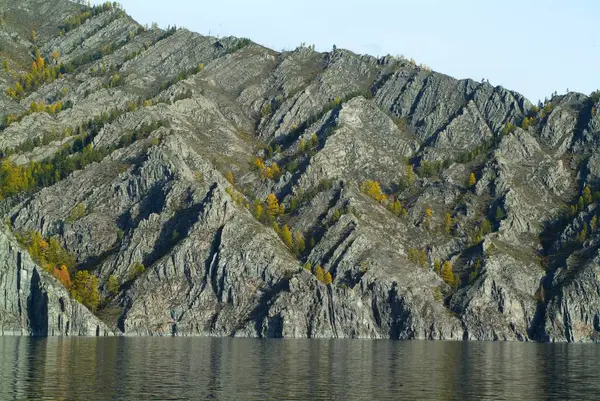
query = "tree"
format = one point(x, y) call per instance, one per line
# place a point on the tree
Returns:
point(328, 279)
point(272, 206)
point(19, 89)
point(437, 265)
point(275, 171)
point(428, 217)
point(499, 214)
point(77, 213)
point(587, 195)
point(320, 273)
point(583, 234)
point(580, 204)
point(135, 270)
point(11, 178)
point(314, 140)
point(472, 180)
point(418, 256)
point(447, 223)
point(485, 228)
point(259, 164)
point(308, 266)
point(410, 175)
point(301, 146)
point(62, 274)
point(229, 177)
point(299, 243)
point(286, 236)
point(113, 285)
point(594, 223)
point(40, 62)
point(373, 189)
point(447, 273)
point(33, 35)
point(258, 211)
point(397, 208)
point(85, 289)
point(115, 81)
point(428, 213)
point(56, 255)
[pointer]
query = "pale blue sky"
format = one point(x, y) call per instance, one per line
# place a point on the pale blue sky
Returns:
point(531, 46)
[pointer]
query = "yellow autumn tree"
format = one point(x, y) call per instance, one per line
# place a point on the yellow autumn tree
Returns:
point(62, 274)
point(259, 164)
point(229, 177)
point(12, 178)
point(258, 211)
point(328, 279)
point(428, 217)
point(275, 171)
point(472, 180)
point(320, 273)
point(40, 62)
point(286, 236)
point(373, 189)
point(587, 195)
point(272, 206)
point(448, 273)
point(85, 289)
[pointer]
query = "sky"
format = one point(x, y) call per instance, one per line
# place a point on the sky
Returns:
point(533, 47)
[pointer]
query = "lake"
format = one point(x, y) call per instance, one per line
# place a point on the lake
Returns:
point(249, 369)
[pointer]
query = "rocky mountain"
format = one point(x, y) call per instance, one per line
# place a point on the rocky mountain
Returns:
point(174, 183)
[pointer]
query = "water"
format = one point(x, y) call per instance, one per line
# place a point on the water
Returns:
point(245, 369)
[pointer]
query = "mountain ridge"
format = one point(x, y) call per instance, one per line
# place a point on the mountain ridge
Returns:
point(216, 187)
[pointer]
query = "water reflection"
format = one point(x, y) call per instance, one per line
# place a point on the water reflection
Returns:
point(244, 369)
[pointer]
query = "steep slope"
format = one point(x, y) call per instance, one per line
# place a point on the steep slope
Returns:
point(34, 302)
point(216, 187)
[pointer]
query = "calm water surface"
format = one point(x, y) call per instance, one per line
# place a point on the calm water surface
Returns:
point(244, 369)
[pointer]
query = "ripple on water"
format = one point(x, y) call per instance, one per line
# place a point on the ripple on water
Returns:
point(249, 369)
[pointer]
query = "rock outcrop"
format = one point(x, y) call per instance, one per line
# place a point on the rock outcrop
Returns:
point(33, 302)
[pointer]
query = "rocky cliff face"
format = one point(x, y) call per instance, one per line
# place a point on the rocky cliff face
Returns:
point(33, 302)
point(169, 143)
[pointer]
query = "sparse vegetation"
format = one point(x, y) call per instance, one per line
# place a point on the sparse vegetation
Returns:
point(418, 256)
point(136, 270)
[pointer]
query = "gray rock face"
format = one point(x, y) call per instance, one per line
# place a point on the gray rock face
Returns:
point(573, 312)
point(163, 167)
point(505, 294)
point(33, 302)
